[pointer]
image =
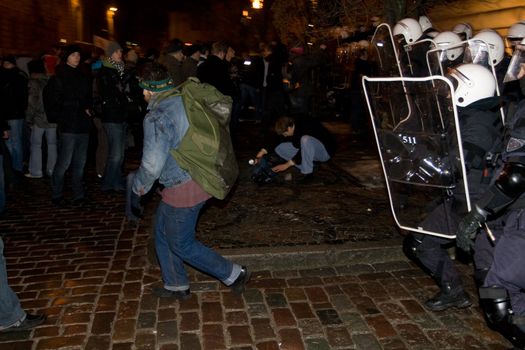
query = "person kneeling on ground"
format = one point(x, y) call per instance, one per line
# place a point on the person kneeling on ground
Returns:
point(302, 143)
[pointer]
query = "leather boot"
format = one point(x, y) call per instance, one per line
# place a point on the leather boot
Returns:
point(449, 296)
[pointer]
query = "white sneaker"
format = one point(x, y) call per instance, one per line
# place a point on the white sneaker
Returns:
point(31, 176)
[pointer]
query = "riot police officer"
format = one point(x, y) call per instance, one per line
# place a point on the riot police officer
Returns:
point(464, 30)
point(496, 50)
point(499, 255)
point(481, 129)
point(412, 57)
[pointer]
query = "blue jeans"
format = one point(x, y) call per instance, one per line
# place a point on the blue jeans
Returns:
point(35, 159)
point(72, 151)
point(176, 243)
point(15, 143)
point(311, 150)
point(2, 184)
point(116, 139)
point(10, 309)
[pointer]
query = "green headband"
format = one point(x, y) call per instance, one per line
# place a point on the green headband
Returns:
point(154, 85)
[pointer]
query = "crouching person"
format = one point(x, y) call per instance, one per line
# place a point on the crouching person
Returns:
point(165, 126)
point(302, 142)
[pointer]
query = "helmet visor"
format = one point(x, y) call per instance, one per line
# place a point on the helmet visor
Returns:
point(477, 52)
point(516, 69)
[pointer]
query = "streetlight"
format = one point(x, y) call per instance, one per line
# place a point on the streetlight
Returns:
point(110, 14)
point(257, 4)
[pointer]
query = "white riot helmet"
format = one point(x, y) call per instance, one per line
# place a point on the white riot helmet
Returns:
point(446, 39)
point(409, 28)
point(425, 23)
point(464, 30)
point(495, 44)
point(516, 33)
point(472, 82)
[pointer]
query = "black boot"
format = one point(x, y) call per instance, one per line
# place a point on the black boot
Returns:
point(449, 296)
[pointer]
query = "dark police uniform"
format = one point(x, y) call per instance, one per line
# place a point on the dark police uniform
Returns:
point(481, 131)
point(500, 265)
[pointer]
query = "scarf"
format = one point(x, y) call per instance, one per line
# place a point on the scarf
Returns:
point(119, 66)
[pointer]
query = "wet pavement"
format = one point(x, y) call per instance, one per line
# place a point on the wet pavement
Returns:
point(328, 272)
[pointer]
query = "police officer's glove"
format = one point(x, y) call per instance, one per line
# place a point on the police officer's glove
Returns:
point(468, 228)
point(136, 207)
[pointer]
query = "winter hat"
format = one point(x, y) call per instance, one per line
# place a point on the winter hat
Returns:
point(174, 46)
point(112, 47)
point(155, 77)
point(156, 85)
point(68, 50)
point(11, 59)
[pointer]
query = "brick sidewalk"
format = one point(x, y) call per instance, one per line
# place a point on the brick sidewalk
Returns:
point(94, 283)
point(88, 270)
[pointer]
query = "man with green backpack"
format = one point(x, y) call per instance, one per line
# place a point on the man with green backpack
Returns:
point(187, 147)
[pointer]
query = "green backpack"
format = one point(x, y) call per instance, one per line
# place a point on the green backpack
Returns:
point(206, 150)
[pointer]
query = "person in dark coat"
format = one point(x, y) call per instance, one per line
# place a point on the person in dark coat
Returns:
point(173, 58)
point(13, 105)
point(273, 94)
point(71, 101)
point(251, 75)
point(113, 91)
point(189, 66)
point(215, 70)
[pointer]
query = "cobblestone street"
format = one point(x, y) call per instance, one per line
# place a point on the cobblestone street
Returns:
point(88, 269)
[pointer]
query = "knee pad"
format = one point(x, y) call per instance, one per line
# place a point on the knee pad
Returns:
point(496, 306)
point(411, 244)
point(495, 303)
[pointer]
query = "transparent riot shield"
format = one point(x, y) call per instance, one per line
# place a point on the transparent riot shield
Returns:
point(412, 58)
point(441, 59)
point(383, 53)
point(477, 51)
point(516, 69)
point(416, 130)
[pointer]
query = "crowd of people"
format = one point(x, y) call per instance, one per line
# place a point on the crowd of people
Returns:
point(67, 101)
point(119, 91)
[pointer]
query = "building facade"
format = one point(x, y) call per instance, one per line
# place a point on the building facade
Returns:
point(29, 27)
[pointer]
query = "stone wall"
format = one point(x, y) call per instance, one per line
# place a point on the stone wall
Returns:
point(31, 26)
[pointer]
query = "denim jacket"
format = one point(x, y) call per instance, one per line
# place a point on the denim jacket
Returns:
point(164, 127)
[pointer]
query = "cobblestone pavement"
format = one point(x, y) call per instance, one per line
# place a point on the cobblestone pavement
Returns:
point(87, 268)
